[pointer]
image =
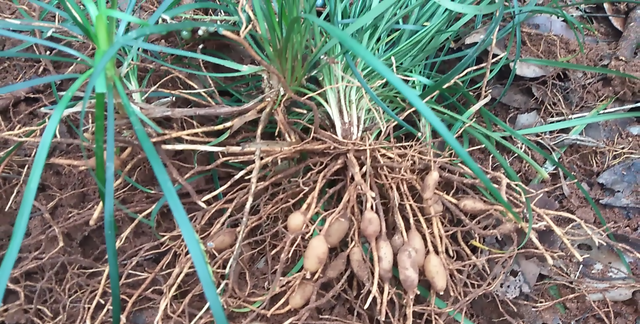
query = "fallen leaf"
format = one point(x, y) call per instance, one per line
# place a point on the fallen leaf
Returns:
point(530, 70)
point(527, 120)
point(514, 97)
point(624, 179)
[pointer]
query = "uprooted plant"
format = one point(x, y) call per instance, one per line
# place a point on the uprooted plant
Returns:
point(380, 184)
point(359, 177)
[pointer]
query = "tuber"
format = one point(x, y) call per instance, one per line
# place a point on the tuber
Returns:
point(435, 272)
point(295, 222)
point(408, 269)
point(337, 230)
point(429, 184)
point(301, 295)
point(223, 240)
point(316, 254)
point(358, 264)
point(473, 206)
point(337, 266)
point(370, 225)
point(417, 243)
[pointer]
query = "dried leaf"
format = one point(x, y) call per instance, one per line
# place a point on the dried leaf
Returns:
point(514, 97)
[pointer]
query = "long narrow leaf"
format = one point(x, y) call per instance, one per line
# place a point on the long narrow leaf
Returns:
point(416, 101)
point(31, 188)
point(109, 221)
point(194, 245)
point(43, 42)
point(38, 81)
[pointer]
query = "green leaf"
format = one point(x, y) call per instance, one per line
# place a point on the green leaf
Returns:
point(43, 42)
point(194, 245)
point(35, 82)
point(416, 101)
point(31, 188)
point(469, 9)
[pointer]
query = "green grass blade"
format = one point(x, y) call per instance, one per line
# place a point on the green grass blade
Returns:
point(578, 67)
point(124, 17)
point(375, 98)
point(38, 81)
point(78, 17)
point(31, 188)
point(571, 123)
point(109, 221)
point(242, 69)
point(416, 101)
point(468, 9)
point(41, 57)
point(194, 245)
point(45, 43)
point(49, 8)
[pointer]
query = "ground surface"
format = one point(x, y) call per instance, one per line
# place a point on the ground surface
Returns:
point(60, 273)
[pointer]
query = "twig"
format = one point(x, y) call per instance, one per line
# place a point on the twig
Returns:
point(254, 180)
point(221, 110)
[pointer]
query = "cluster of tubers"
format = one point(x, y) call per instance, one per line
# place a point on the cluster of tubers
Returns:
point(317, 253)
point(406, 249)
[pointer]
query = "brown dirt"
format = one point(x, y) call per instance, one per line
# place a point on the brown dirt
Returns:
point(61, 266)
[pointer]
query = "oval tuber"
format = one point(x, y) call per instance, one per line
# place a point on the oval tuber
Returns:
point(295, 222)
point(434, 206)
point(370, 225)
point(429, 184)
point(417, 243)
point(117, 163)
point(473, 206)
point(301, 295)
point(507, 228)
point(408, 268)
point(435, 272)
point(223, 240)
point(337, 266)
point(359, 265)
point(316, 254)
point(385, 258)
point(397, 241)
point(336, 231)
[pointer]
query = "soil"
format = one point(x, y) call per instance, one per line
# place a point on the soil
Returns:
point(60, 275)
